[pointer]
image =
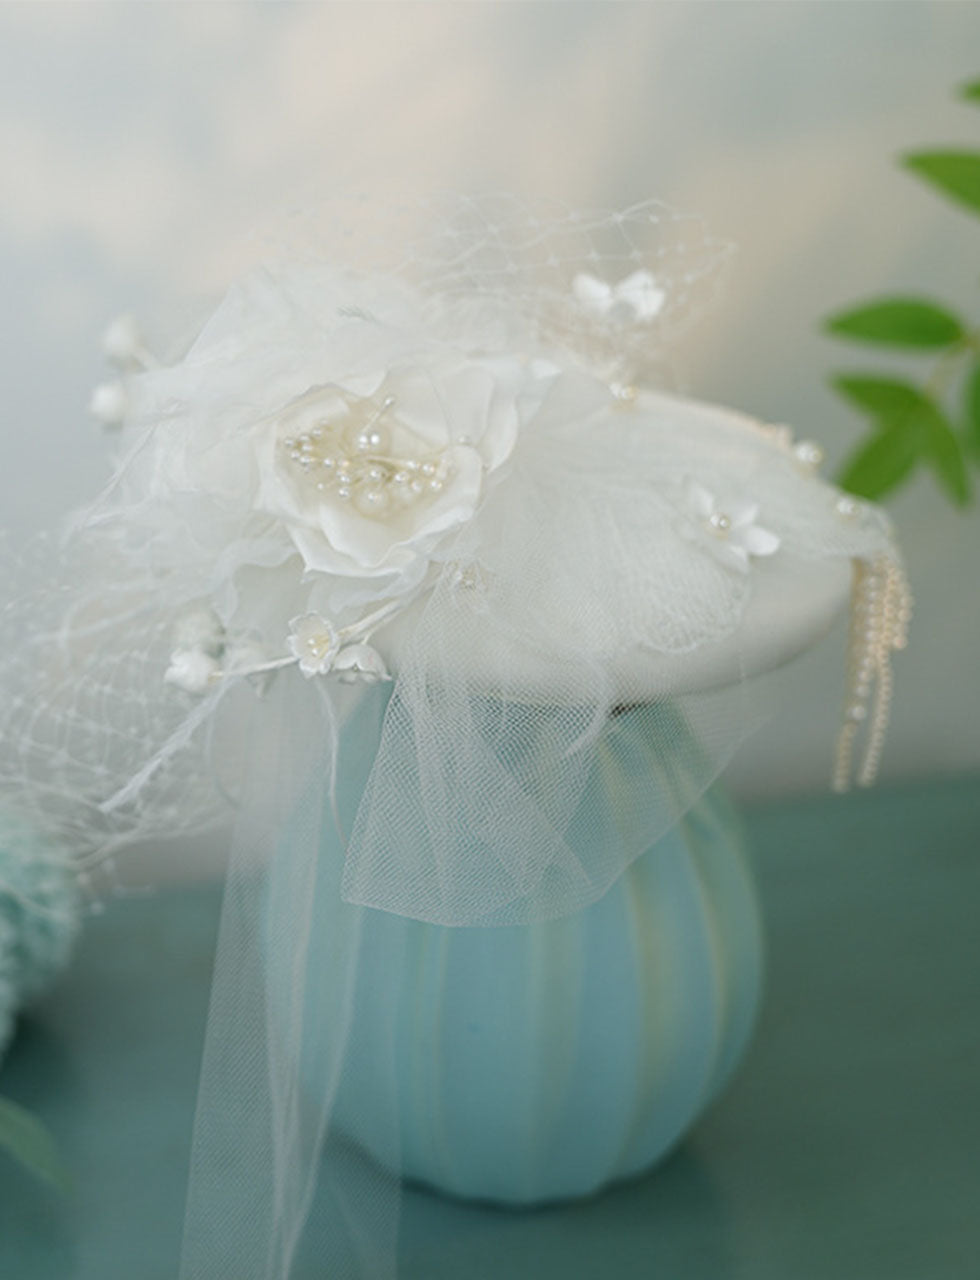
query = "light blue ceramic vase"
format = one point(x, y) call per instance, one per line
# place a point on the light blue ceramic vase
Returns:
point(537, 1063)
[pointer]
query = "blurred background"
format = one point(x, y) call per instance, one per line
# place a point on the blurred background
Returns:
point(144, 143)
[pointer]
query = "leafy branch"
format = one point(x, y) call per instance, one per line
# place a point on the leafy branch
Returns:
point(24, 1138)
point(937, 423)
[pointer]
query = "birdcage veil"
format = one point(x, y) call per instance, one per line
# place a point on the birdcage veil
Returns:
point(402, 560)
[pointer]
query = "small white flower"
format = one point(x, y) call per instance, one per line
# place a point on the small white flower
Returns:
point(360, 662)
point(314, 643)
point(636, 297)
point(200, 629)
point(192, 670)
point(732, 532)
point(109, 404)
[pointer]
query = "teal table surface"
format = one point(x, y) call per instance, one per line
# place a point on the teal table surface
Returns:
point(847, 1147)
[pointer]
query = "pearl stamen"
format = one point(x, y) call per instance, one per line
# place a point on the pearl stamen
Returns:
point(353, 458)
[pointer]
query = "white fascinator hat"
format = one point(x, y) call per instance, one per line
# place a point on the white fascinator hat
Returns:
point(391, 554)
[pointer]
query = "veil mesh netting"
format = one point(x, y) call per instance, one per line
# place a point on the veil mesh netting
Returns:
point(406, 570)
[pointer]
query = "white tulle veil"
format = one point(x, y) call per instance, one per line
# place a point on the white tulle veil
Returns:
point(395, 559)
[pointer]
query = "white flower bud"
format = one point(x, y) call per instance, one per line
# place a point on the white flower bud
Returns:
point(200, 629)
point(360, 662)
point(191, 669)
point(109, 404)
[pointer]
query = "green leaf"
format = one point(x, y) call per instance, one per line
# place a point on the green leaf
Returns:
point(910, 427)
point(882, 463)
point(972, 407)
point(955, 173)
point(898, 322)
point(881, 397)
point(945, 453)
point(26, 1139)
point(971, 91)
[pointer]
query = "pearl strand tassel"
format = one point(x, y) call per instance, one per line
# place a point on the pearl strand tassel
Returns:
point(881, 605)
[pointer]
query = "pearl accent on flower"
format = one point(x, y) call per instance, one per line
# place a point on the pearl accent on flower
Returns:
point(351, 459)
point(808, 454)
point(881, 606)
point(371, 502)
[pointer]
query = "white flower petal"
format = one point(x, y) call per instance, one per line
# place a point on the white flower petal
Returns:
point(593, 293)
point(314, 643)
point(419, 402)
point(741, 512)
point(758, 541)
point(640, 292)
point(360, 662)
point(728, 527)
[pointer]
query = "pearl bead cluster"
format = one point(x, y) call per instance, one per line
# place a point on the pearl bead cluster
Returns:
point(881, 606)
point(351, 461)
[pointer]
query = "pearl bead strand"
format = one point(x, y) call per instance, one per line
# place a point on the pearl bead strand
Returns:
point(881, 606)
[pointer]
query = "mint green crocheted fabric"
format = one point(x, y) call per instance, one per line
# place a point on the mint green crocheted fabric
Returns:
point(39, 916)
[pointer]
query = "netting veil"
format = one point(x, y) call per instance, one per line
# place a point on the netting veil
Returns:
point(399, 558)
